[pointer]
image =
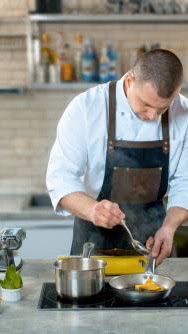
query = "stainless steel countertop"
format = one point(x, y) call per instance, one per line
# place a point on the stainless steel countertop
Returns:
point(24, 317)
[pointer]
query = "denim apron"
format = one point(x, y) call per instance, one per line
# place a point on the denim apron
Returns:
point(136, 177)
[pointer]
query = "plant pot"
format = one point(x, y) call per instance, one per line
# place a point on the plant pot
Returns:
point(12, 295)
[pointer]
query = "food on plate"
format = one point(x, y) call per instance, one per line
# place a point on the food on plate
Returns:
point(149, 285)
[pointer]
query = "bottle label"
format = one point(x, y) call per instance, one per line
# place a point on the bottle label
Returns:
point(67, 72)
point(88, 70)
point(113, 70)
point(103, 72)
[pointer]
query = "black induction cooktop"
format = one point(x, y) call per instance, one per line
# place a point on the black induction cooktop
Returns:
point(108, 299)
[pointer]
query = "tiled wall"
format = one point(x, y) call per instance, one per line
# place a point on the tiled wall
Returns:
point(28, 122)
point(13, 7)
point(27, 131)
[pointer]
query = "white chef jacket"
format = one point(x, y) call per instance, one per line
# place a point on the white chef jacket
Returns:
point(77, 159)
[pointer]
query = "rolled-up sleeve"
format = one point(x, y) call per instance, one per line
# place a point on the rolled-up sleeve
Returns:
point(68, 156)
point(178, 183)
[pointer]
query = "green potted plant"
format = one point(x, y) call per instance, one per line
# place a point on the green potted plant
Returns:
point(11, 285)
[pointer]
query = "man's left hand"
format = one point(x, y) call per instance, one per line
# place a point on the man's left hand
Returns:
point(161, 244)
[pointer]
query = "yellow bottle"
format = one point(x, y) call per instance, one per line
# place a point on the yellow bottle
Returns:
point(78, 39)
point(67, 68)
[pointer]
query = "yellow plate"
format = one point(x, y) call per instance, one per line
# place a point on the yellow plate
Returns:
point(119, 265)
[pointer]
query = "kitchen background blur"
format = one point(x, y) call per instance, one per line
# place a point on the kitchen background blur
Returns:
point(49, 52)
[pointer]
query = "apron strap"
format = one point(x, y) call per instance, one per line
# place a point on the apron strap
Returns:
point(112, 115)
point(165, 132)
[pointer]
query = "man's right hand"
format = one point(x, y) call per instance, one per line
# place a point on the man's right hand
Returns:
point(106, 214)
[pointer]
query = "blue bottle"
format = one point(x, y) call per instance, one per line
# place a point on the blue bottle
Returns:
point(113, 73)
point(104, 66)
point(89, 62)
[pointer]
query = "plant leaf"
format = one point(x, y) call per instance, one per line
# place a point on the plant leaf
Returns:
point(18, 281)
point(7, 285)
point(12, 279)
point(10, 272)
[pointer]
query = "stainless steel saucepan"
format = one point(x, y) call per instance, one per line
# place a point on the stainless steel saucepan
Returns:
point(124, 285)
point(80, 277)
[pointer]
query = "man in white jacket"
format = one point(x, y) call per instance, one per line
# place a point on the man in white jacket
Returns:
point(120, 148)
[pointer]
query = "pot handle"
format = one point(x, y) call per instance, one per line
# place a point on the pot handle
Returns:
point(87, 248)
point(150, 269)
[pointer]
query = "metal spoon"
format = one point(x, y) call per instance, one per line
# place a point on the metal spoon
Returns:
point(137, 245)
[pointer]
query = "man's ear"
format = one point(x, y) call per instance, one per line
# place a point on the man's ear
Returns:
point(129, 79)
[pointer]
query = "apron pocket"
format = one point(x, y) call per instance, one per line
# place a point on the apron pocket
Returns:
point(135, 185)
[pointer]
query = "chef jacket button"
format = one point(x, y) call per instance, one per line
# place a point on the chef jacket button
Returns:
point(165, 148)
point(122, 113)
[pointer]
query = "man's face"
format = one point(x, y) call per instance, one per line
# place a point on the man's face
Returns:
point(143, 99)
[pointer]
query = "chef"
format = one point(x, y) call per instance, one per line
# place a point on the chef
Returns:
point(120, 149)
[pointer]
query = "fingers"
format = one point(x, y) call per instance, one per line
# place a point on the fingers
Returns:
point(164, 252)
point(161, 247)
point(156, 249)
point(107, 214)
point(150, 243)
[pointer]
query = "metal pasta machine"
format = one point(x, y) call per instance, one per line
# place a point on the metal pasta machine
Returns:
point(10, 241)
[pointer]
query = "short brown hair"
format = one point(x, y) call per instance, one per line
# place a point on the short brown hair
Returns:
point(162, 68)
